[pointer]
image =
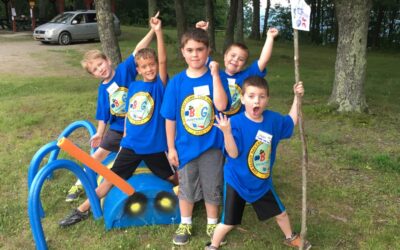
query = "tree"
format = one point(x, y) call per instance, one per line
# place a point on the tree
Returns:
point(266, 16)
point(152, 7)
point(211, 22)
point(351, 59)
point(240, 20)
point(255, 27)
point(180, 21)
point(230, 25)
point(105, 21)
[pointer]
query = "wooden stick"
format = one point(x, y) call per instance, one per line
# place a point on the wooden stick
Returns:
point(304, 162)
point(95, 165)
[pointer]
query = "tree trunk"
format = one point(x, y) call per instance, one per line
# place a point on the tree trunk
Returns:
point(180, 18)
point(211, 23)
point(152, 9)
point(230, 25)
point(266, 16)
point(240, 20)
point(351, 55)
point(109, 42)
point(255, 27)
point(377, 28)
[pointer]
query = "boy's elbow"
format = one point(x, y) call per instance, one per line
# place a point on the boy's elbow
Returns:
point(220, 106)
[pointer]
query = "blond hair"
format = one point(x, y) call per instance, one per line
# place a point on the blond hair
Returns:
point(90, 56)
point(145, 53)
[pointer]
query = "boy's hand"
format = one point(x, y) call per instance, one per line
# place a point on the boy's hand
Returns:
point(202, 25)
point(173, 157)
point(298, 89)
point(224, 123)
point(155, 23)
point(214, 67)
point(272, 32)
point(95, 140)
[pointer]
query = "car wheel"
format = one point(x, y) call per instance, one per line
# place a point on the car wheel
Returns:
point(64, 38)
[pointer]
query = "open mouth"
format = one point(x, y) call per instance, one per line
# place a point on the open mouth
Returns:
point(256, 110)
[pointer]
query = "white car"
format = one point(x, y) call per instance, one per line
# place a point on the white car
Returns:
point(71, 26)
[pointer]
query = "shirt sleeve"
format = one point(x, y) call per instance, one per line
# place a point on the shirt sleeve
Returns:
point(254, 70)
point(103, 107)
point(169, 104)
point(287, 127)
point(237, 136)
point(129, 67)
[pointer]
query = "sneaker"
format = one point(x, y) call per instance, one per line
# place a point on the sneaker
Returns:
point(210, 232)
point(75, 217)
point(295, 241)
point(182, 234)
point(74, 192)
point(210, 247)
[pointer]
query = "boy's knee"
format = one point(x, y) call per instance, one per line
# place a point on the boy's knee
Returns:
point(281, 216)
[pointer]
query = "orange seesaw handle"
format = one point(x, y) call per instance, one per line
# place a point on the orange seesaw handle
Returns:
point(95, 165)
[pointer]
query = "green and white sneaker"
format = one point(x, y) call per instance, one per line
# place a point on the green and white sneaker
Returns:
point(74, 192)
point(182, 234)
point(210, 232)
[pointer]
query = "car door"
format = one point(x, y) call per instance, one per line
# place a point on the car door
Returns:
point(77, 27)
point(91, 25)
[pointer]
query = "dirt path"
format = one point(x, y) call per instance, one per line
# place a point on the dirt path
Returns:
point(26, 57)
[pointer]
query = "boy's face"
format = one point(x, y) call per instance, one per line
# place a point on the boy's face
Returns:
point(101, 68)
point(234, 60)
point(147, 68)
point(195, 54)
point(255, 101)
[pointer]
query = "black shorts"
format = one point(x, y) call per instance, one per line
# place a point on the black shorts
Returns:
point(111, 140)
point(266, 207)
point(127, 161)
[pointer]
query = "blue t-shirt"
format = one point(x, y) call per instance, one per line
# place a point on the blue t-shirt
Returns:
point(235, 83)
point(112, 95)
point(189, 102)
point(145, 127)
point(250, 174)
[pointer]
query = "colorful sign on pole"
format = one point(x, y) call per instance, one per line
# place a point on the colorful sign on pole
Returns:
point(300, 15)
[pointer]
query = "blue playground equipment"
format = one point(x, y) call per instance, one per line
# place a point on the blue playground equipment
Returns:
point(153, 202)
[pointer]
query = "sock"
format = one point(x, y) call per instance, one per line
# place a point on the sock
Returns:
point(186, 220)
point(212, 220)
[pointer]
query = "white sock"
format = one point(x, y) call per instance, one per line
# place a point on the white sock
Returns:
point(212, 220)
point(186, 220)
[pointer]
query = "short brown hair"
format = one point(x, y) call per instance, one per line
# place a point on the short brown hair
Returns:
point(90, 56)
point(255, 81)
point(196, 34)
point(239, 45)
point(145, 53)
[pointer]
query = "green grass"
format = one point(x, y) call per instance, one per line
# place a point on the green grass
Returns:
point(354, 163)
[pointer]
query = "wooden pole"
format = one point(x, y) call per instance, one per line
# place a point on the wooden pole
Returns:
point(304, 162)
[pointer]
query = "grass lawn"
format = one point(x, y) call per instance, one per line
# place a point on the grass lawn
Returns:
point(354, 159)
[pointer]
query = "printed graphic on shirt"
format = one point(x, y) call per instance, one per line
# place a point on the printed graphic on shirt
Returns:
point(118, 102)
point(197, 114)
point(235, 92)
point(258, 159)
point(141, 107)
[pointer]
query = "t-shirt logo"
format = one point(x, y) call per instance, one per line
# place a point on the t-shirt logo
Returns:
point(197, 114)
point(118, 102)
point(235, 92)
point(141, 107)
point(258, 159)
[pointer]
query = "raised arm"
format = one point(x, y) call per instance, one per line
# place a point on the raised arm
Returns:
point(298, 90)
point(267, 49)
point(219, 96)
point(146, 40)
point(202, 25)
point(155, 24)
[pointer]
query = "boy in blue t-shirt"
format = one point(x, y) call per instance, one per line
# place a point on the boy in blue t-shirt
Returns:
point(144, 134)
point(251, 139)
point(235, 58)
point(111, 98)
point(194, 144)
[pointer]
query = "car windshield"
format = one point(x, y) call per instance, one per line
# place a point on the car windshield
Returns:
point(62, 18)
